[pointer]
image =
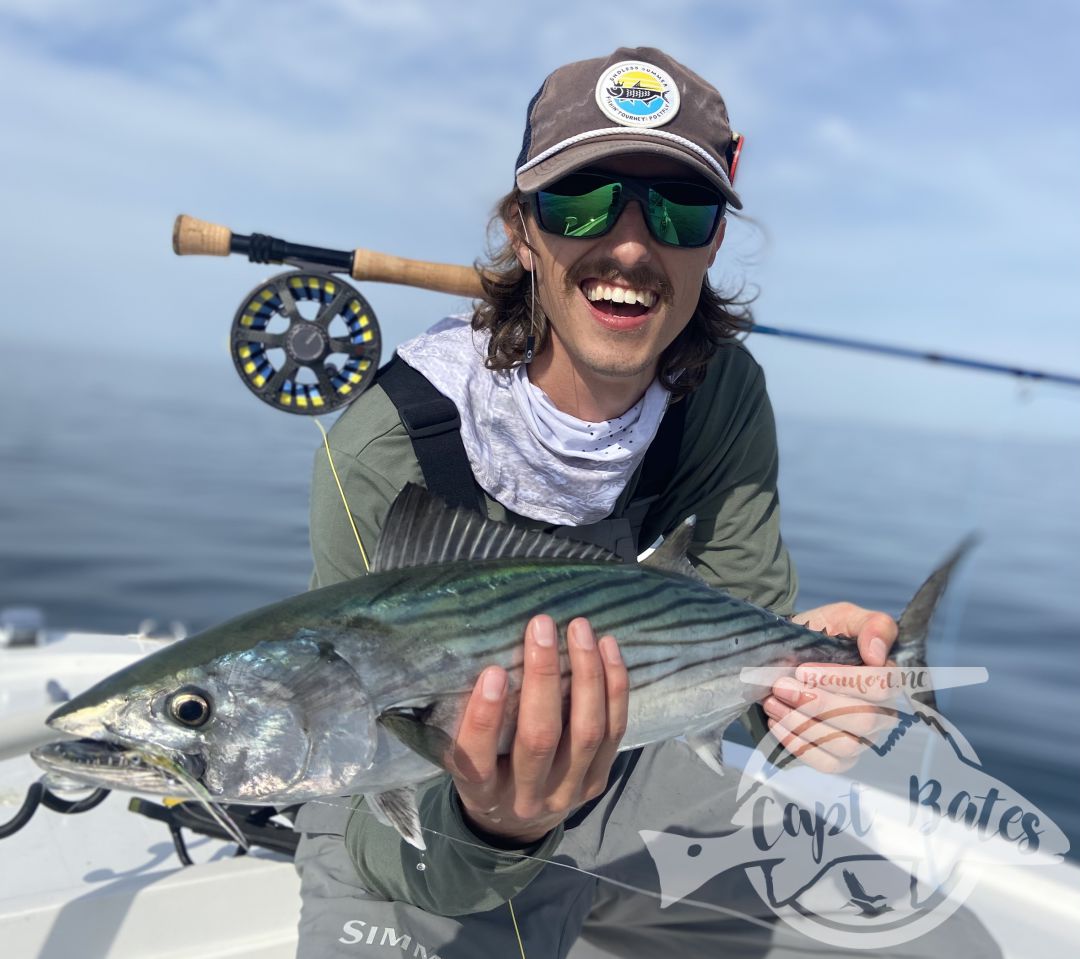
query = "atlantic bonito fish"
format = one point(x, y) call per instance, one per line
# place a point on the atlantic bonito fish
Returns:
point(359, 687)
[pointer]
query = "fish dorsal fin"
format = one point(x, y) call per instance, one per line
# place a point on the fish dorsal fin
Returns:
point(670, 555)
point(421, 530)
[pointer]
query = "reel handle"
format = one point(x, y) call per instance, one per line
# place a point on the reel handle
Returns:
point(192, 236)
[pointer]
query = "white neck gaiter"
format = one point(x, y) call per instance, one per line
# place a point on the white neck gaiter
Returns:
point(526, 453)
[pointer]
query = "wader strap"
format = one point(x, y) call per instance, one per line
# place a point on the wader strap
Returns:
point(663, 453)
point(434, 427)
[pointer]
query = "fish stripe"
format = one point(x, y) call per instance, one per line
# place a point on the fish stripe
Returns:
point(536, 593)
point(662, 624)
point(787, 636)
point(691, 623)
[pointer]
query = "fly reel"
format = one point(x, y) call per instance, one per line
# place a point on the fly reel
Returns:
point(305, 342)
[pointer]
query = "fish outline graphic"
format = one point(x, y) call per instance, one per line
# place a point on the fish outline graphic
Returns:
point(637, 94)
point(914, 821)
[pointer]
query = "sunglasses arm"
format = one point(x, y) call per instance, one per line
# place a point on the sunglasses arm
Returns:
point(195, 237)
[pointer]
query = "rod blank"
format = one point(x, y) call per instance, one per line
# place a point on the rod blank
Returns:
point(192, 236)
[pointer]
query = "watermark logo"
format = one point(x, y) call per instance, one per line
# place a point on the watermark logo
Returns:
point(882, 853)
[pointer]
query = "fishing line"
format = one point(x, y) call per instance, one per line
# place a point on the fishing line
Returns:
point(517, 932)
point(367, 566)
point(775, 928)
point(529, 352)
point(337, 480)
point(509, 902)
point(513, 856)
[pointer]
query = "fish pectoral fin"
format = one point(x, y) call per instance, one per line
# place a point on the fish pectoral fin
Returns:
point(413, 726)
point(709, 752)
point(397, 808)
point(709, 746)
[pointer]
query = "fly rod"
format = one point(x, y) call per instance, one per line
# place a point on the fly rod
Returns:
point(318, 364)
point(192, 236)
point(925, 355)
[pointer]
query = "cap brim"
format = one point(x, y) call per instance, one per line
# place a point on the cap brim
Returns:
point(584, 154)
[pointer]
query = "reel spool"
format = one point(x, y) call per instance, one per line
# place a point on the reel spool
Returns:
point(305, 342)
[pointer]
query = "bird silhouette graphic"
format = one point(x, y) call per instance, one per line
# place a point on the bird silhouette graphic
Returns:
point(868, 905)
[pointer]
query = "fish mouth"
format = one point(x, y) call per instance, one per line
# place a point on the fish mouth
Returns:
point(112, 765)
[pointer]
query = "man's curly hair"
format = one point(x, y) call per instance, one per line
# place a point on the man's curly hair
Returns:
point(506, 311)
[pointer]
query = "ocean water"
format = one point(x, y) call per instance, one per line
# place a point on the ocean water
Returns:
point(132, 490)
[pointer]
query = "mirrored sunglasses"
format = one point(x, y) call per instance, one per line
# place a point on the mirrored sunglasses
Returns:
point(682, 213)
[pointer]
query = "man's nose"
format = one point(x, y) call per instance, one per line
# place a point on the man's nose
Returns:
point(629, 239)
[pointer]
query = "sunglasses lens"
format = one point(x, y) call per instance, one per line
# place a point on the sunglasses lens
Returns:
point(578, 205)
point(679, 212)
point(684, 214)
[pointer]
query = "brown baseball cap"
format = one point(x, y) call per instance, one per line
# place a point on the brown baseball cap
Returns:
point(637, 100)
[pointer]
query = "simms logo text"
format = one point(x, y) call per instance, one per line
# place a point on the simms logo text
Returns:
point(357, 931)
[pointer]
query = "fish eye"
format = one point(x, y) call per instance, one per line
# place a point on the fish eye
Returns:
point(190, 707)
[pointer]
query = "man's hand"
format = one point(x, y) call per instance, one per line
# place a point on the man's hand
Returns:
point(831, 744)
point(550, 770)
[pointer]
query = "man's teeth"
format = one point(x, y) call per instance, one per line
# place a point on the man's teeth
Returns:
point(618, 294)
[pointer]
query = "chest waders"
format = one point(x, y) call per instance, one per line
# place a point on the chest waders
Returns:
point(434, 427)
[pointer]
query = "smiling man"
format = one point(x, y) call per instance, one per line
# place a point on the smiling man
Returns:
point(598, 390)
point(614, 305)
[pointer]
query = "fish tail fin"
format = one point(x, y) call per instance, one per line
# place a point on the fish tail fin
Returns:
point(910, 649)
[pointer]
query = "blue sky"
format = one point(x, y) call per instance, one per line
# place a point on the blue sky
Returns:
point(911, 171)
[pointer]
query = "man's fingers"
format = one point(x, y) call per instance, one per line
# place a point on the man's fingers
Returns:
point(587, 727)
point(598, 711)
point(553, 766)
point(874, 632)
point(820, 735)
point(474, 758)
point(617, 691)
point(840, 712)
point(813, 754)
point(540, 721)
point(876, 635)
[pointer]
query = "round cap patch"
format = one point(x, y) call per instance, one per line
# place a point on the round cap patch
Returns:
point(636, 94)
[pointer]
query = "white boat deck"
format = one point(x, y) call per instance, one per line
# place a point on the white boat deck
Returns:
point(107, 883)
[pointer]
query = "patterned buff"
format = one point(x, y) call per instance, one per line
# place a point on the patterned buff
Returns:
point(576, 470)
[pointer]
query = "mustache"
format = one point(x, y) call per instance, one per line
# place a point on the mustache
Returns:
point(606, 269)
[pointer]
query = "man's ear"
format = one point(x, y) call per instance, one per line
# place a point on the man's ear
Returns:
point(717, 240)
point(524, 254)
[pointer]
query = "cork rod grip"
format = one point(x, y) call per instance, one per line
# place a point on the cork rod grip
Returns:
point(194, 236)
point(443, 277)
